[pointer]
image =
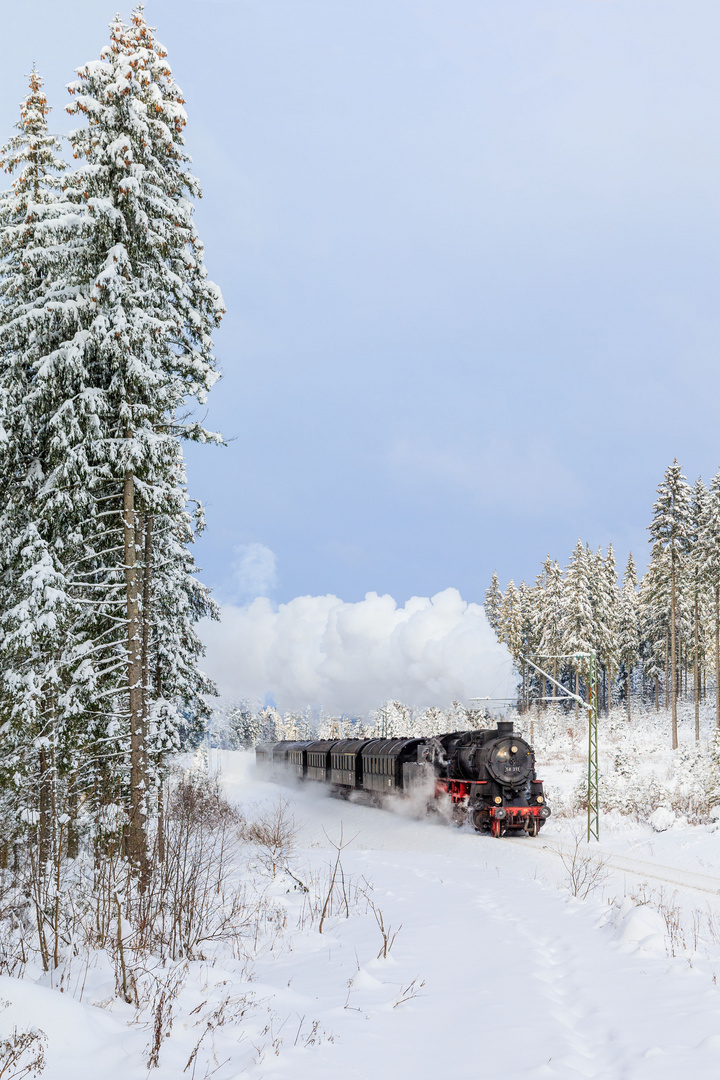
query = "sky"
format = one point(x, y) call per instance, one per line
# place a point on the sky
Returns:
point(470, 254)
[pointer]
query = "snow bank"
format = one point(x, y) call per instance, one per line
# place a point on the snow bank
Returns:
point(640, 929)
point(662, 819)
point(349, 657)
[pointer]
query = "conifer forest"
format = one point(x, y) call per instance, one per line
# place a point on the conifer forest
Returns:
point(657, 639)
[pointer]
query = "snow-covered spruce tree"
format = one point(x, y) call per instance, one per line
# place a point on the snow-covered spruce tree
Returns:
point(393, 720)
point(553, 601)
point(578, 628)
point(146, 312)
point(493, 601)
point(536, 634)
point(527, 642)
point(697, 587)
point(710, 548)
point(510, 627)
point(654, 603)
point(41, 696)
point(629, 628)
point(670, 529)
point(605, 600)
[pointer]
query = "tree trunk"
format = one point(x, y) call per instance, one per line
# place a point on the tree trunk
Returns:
point(717, 656)
point(673, 664)
point(667, 669)
point(161, 825)
point(696, 671)
point(146, 623)
point(146, 620)
point(137, 838)
point(45, 811)
point(73, 838)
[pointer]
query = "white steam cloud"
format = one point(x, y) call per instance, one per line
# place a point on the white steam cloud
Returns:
point(254, 571)
point(349, 658)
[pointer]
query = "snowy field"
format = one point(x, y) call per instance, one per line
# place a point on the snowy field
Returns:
point(492, 966)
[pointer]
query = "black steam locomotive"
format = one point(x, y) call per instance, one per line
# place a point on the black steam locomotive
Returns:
point(488, 776)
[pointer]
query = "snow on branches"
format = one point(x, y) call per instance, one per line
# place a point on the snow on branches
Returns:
point(656, 638)
point(106, 322)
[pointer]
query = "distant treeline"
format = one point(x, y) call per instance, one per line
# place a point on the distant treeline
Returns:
point(238, 724)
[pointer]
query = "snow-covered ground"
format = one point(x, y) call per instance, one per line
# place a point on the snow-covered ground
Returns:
point(496, 968)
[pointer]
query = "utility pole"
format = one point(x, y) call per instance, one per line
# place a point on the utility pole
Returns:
point(593, 773)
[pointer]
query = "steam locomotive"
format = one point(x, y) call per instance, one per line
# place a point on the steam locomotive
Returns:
point(487, 776)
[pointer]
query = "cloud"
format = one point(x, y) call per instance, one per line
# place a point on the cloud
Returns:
point(350, 657)
point(254, 572)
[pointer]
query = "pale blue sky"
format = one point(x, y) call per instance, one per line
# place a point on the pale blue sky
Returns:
point(470, 251)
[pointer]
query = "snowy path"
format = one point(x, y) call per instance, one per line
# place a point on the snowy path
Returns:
point(519, 979)
point(517, 983)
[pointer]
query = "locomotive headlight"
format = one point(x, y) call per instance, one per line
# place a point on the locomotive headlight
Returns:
point(513, 749)
point(498, 800)
point(540, 799)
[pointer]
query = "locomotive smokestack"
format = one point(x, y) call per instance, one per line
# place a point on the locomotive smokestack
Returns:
point(505, 727)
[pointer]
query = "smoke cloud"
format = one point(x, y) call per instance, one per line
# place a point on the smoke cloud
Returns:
point(350, 657)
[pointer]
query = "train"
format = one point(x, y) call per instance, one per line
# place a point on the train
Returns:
point(487, 777)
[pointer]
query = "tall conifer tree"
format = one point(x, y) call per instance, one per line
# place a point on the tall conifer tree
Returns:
point(147, 348)
point(670, 529)
point(578, 629)
point(493, 602)
point(710, 547)
point(38, 229)
point(551, 642)
point(697, 581)
point(628, 627)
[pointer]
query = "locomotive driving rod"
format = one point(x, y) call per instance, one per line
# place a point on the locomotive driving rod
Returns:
point(575, 697)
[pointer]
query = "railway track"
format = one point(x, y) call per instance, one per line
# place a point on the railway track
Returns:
point(641, 868)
